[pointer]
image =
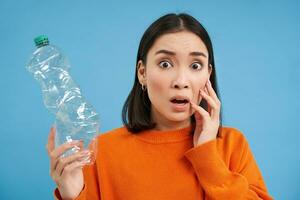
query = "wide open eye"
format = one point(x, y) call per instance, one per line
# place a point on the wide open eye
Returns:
point(164, 64)
point(196, 66)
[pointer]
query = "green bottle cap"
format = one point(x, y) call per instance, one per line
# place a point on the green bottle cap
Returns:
point(41, 40)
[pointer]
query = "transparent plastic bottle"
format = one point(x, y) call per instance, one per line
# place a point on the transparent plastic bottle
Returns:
point(75, 118)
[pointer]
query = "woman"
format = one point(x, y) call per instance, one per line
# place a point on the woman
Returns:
point(171, 146)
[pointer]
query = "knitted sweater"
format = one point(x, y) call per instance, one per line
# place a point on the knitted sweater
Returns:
point(164, 165)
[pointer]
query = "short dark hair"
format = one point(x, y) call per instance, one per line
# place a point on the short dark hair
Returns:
point(136, 112)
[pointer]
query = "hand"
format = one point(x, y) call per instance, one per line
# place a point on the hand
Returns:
point(207, 122)
point(67, 171)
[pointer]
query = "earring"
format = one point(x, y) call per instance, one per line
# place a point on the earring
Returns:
point(143, 87)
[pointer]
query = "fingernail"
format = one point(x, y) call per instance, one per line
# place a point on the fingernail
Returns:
point(85, 160)
point(86, 152)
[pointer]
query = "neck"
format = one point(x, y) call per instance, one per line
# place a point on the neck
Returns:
point(163, 124)
point(163, 127)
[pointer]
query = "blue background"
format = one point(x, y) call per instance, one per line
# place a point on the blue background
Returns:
point(256, 47)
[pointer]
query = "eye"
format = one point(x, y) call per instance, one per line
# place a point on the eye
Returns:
point(164, 64)
point(196, 65)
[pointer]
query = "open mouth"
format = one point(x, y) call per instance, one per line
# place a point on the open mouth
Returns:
point(179, 101)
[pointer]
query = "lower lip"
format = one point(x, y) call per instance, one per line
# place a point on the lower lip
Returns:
point(179, 107)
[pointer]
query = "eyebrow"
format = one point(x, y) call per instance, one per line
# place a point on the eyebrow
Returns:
point(194, 53)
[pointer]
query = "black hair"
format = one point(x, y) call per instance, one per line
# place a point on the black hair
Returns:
point(136, 112)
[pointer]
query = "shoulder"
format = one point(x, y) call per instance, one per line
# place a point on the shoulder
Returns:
point(231, 133)
point(114, 143)
point(119, 131)
point(114, 136)
point(233, 138)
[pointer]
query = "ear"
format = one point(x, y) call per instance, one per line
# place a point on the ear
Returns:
point(141, 72)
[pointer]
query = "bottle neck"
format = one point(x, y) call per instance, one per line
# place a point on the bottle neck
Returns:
point(42, 44)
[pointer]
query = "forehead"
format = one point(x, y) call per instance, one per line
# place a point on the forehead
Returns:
point(182, 42)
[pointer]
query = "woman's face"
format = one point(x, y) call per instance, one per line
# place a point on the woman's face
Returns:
point(177, 67)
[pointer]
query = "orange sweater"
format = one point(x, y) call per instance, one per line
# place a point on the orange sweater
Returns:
point(164, 165)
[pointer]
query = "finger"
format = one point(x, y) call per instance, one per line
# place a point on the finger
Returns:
point(51, 138)
point(198, 99)
point(67, 145)
point(208, 106)
point(215, 97)
point(79, 156)
point(198, 118)
point(74, 165)
point(200, 110)
point(214, 106)
point(212, 92)
point(54, 155)
point(210, 101)
point(206, 90)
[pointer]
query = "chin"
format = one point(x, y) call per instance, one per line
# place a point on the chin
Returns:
point(178, 117)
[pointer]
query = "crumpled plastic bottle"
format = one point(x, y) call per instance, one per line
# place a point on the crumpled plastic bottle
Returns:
point(75, 119)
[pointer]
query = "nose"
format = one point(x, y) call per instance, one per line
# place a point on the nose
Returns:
point(181, 80)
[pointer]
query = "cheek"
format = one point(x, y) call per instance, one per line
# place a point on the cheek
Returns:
point(156, 84)
point(202, 84)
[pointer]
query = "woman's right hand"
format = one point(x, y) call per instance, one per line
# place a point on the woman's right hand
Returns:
point(67, 171)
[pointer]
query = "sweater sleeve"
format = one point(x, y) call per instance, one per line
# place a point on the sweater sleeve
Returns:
point(219, 182)
point(91, 185)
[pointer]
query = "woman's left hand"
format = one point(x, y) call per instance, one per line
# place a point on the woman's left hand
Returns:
point(207, 122)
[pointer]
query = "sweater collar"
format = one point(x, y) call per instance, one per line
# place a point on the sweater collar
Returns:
point(165, 136)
